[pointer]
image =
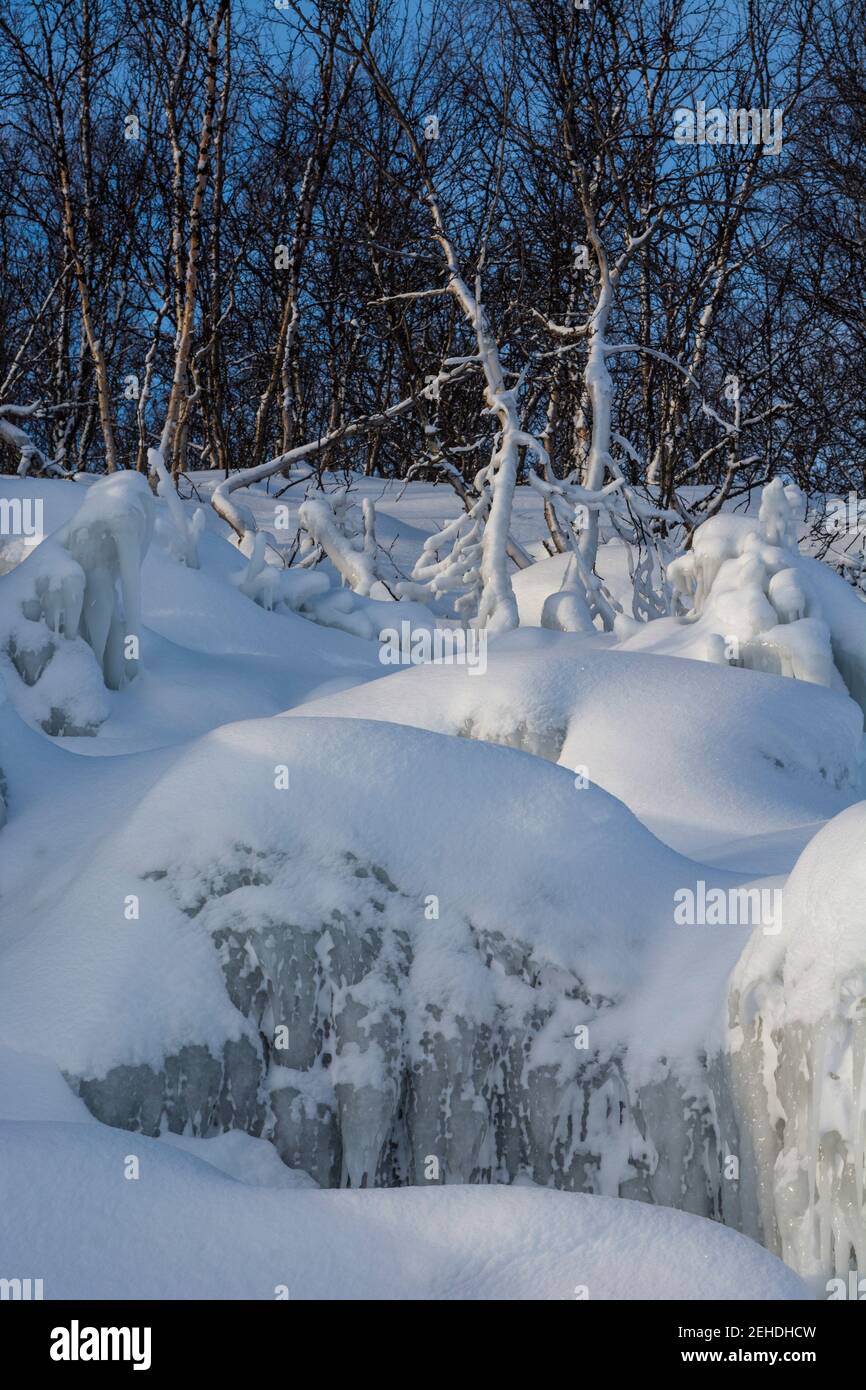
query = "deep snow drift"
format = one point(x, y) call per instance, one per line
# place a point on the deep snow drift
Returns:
point(428, 1006)
point(357, 945)
point(190, 1231)
point(776, 758)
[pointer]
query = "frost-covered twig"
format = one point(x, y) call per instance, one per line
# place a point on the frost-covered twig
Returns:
point(497, 608)
point(241, 519)
point(319, 517)
point(20, 440)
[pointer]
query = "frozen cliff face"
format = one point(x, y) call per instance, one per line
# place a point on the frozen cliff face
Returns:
point(70, 612)
point(798, 1040)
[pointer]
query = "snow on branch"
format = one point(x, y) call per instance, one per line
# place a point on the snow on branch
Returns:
point(19, 439)
point(241, 519)
point(323, 519)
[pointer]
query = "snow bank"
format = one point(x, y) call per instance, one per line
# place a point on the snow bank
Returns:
point(208, 655)
point(798, 1037)
point(381, 955)
point(774, 757)
point(320, 945)
point(183, 1230)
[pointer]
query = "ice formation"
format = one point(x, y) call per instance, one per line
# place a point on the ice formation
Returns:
point(70, 613)
point(798, 1050)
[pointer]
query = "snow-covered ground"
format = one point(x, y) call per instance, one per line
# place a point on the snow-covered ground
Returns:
point(298, 918)
point(191, 1226)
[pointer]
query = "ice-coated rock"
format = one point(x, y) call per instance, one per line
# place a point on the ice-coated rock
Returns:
point(330, 969)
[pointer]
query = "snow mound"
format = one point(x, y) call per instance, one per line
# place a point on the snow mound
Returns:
point(798, 1006)
point(370, 964)
point(755, 601)
point(199, 632)
point(548, 576)
point(374, 956)
point(346, 592)
point(775, 757)
point(183, 1230)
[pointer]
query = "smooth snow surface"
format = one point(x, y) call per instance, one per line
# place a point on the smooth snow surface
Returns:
point(183, 1230)
point(776, 757)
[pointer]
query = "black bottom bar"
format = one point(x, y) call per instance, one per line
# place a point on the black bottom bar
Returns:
point(278, 1338)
